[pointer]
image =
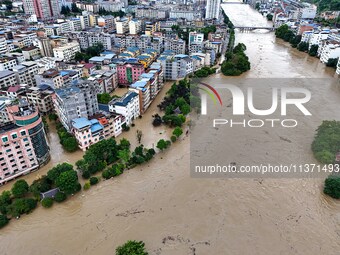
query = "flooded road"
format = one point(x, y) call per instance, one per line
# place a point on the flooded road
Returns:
point(173, 213)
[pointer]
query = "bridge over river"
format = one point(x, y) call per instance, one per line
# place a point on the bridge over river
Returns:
point(249, 28)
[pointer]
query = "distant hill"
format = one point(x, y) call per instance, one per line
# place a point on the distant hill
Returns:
point(327, 5)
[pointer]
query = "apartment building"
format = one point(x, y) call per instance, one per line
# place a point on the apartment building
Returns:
point(135, 26)
point(43, 9)
point(7, 78)
point(74, 102)
point(122, 25)
point(195, 42)
point(330, 50)
point(142, 88)
point(23, 143)
point(42, 98)
point(7, 63)
point(98, 127)
point(25, 73)
point(51, 77)
point(127, 106)
point(66, 52)
point(175, 45)
point(31, 53)
point(129, 73)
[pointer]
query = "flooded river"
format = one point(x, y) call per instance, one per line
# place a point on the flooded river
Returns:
point(173, 213)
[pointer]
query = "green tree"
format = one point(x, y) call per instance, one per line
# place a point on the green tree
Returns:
point(21, 206)
point(303, 46)
point(70, 144)
point(60, 197)
point(68, 182)
point(161, 144)
point(313, 51)
point(332, 62)
point(177, 132)
point(5, 201)
point(74, 8)
point(94, 180)
point(332, 186)
point(327, 142)
point(132, 248)
point(43, 184)
point(87, 186)
point(20, 188)
point(104, 98)
point(173, 138)
point(55, 172)
point(3, 220)
point(47, 202)
point(269, 17)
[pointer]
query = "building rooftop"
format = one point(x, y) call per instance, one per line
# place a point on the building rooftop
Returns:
point(5, 73)
point(123, 101)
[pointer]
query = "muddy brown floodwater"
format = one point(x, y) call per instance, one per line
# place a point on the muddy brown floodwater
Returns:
point(173, 213)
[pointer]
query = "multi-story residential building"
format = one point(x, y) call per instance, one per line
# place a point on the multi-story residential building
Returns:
point(89, 39)
point(108, 22)
point(98, 127)
point(122, 25)
point(66, 52)
point(74, 102)
point(195, 42)
point(45, 47)
point(42, 98)
point(23, 144)
point(107, 79)
point(184, 14)
point(177, 45)
point(7, 63)
point(3, 45)
point(142, 88)
point(329, 51)
point(4, 102)
point(212, 10)
point(25, 73)
point(338, 67)
point(51, 77)
point(31, 53)
point(43, 9)
point(151, 13)
point(7, 78)
point(135, 27)
point(129, 73)
point(127, 106)
point(318, 37)
point(152, 27)
point(87, 132)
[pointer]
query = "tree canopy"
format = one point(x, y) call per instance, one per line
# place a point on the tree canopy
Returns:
point(132, 248)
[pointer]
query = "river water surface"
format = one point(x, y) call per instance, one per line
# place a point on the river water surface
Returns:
point(173, 213)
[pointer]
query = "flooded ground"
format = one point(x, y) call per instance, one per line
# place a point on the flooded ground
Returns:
point(173, 213)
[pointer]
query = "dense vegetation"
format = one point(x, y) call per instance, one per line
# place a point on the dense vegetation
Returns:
point(204, 72)
point(132, 248)
point(332, 62)
point(326, 5)
point(176, 104)
point(283, 32)
point(89, 53)
point(332, 186)
point(105, 98)
point(327, 142)
point(23, 199)
point(68, 141)
point(237, 62)
point(67, 11)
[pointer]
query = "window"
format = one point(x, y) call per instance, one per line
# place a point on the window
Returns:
point(14, 136)
point(4, 139)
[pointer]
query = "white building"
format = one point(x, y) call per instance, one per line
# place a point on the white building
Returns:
point(127, 105)
point(122, 25)
point(212, 10)
point(135, 26)
point(338, 67)
point(329, 51)
point(66, 52)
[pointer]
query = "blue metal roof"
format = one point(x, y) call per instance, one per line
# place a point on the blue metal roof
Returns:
point(80, 123)
point(124, 101)
point(96, 128)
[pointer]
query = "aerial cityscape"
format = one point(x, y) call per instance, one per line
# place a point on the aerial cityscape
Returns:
point(187, 127)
